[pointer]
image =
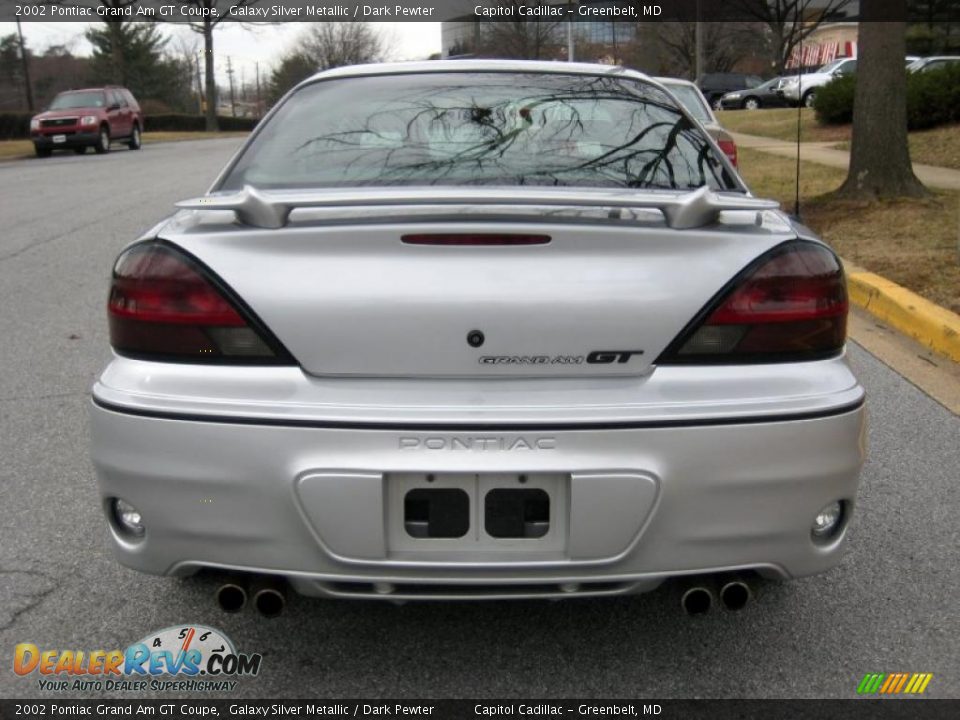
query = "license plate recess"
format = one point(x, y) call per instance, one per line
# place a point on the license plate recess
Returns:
point(515, 512)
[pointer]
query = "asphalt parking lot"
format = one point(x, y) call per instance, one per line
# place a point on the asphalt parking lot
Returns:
point(890, 607)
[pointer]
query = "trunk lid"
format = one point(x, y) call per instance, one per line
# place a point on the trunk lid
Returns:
point(604, 296)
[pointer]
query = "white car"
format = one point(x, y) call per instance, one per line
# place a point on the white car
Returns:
point(478, 329)
point(696, 104)
point(802, 89)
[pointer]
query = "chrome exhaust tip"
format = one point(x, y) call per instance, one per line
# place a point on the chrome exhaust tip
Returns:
point(269, 598)
point(231, 596)
point(735, 594)
point(696, 600)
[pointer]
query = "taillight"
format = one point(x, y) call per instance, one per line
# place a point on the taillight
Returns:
point(164, 305)
point(789, 305)
point(729, 148)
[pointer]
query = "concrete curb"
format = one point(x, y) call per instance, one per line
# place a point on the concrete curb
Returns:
point(931, 325)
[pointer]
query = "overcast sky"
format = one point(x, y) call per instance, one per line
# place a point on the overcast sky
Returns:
point(246, 45)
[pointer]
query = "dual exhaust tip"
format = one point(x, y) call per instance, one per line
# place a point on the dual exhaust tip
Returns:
point(698, 599)
point(269, 598)
point(267, 594)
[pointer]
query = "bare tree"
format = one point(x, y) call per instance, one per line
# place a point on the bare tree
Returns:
point(214, 13)
point(879, 154)
point(328, 45)
point(724, 44)
point(186, 53)
point(336, 44)
point(519, 37)
point(790, 22)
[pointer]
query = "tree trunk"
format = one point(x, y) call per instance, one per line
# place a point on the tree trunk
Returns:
point(118, 74)
point(879, 155)
point(211, 80)
point(780, 50)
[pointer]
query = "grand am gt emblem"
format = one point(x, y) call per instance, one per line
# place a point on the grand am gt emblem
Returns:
point(594, 357)
point(479, 443)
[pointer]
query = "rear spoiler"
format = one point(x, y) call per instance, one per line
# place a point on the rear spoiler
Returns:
point(682, 210)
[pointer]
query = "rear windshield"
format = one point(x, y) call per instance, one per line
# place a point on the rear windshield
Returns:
point(480, 128)
point(692, 100)
point(66, 101)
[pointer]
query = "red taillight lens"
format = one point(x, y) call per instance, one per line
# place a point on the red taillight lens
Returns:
point(790, 305)
point(729, 148)
point(162, 305)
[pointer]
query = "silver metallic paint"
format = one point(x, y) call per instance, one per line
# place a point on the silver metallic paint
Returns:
point(702, 468)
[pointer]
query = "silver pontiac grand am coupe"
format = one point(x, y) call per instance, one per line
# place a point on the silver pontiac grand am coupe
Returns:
point(478, 329)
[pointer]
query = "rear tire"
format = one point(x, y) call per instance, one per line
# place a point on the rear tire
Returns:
point(135, 140)
point(103, 141)
point(42, 152)
point(751, 103)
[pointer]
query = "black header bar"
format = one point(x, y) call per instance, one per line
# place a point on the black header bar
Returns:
point(450, 10)
point(489, 709)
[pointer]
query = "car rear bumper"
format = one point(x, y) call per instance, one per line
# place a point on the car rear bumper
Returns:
point(634, 504)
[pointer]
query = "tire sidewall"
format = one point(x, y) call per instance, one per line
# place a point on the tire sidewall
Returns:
point(103, 141)
point(136, 139)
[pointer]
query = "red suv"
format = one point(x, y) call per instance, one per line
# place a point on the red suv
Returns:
point(79, 119)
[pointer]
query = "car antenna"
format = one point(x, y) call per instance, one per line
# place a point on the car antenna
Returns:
point(796, 197)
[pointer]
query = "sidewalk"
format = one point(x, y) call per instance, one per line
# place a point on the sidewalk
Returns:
point(824, 154)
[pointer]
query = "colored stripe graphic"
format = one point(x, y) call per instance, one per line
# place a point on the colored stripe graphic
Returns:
point(901, 682)
point(894, 683)
point(870, 683)
point(890, 681)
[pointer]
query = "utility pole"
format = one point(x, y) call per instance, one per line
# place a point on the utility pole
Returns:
point(259, 106)
point(26, 68)
point(698, 70)
point(570, 31)
point(199, 85)
point(233, 100)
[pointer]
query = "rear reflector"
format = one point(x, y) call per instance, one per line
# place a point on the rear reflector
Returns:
point(475, 239)
point(163, 305)
point(789, 305)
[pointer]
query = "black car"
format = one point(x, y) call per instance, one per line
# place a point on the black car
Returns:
point(761, 96)
point(716, 85)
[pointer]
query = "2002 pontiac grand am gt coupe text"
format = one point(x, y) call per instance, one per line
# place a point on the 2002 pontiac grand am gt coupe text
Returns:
point(473, 330)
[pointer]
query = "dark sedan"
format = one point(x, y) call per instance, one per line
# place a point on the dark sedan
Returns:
point(762, 96)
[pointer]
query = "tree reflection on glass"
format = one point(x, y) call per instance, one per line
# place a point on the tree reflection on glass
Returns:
point(492, 128)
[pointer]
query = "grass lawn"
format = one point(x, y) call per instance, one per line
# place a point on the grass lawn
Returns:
point(915, 243)
point(15, 149)
point(940, 146)
point(781, 124)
